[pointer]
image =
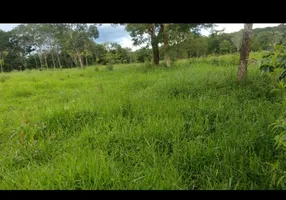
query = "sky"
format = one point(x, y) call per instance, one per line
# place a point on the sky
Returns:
point(107, 33)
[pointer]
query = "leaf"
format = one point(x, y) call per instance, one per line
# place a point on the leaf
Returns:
point(280, 179)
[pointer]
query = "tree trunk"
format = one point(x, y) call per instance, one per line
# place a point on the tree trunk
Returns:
point(53, 61)
point(86, 63)
point(36, 62)
point(244, 52)
point(46, 62)
point(59, 61)
point(68, 60)
point(166, 45)
point(154, 43)
point(74, 59)
point(2, 69)
point(80, 60)
point(41, 62)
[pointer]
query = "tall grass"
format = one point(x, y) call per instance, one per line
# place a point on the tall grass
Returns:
point(136, 127)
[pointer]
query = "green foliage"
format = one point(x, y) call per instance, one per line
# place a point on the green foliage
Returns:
point(4, 78)
point(38, 46)
point(109, 67)
point(280, 88)
point(236, 39)
point(222, 60)
point(225, 47)
point(274, 60)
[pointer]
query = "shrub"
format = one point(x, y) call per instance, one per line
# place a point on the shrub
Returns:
point(4, 78)
point(109, 67)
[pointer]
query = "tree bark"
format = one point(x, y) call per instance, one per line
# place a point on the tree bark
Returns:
point(244, 52)
point(155, 47)
point(166, 45)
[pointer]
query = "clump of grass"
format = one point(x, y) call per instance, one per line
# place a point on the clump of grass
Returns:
point(4, 78)
point(109, 67)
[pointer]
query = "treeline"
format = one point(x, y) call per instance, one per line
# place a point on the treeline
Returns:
point(44, 46)
point(220, 43)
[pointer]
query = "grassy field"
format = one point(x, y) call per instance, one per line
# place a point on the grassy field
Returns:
point(190, 127)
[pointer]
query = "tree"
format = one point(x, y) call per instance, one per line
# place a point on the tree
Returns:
point(166, 44)
point(2, 58)
point(3, 47)
point(162, 33)
point(244, 52)
point(74, 38)
point(142, 33)
point(225, 47)
point(236, 39)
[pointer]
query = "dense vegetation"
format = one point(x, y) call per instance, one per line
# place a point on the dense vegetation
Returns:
point(116, 125)
point(42, 46)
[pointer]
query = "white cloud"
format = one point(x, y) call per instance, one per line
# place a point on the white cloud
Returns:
point(127, 42)
point(229, 28)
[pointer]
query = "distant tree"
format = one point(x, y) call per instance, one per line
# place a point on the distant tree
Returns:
point(142, 33)
point(162, 33)
point(3, 55)
point(255, 44)
point(225, 46)
point(74, 38)
point(244, 52)
point(236, 39)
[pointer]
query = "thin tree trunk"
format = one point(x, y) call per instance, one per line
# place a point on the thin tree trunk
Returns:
point(154, 43)
point(41, 62)
point(53, 61)
point(86, 63)
point(45, 57)
point(36, 62)
point(67, 61)
point(2, 69)
point(80, 60)
point(166, 45)
point(59, 61)
point(244, 52)
point(74, 59)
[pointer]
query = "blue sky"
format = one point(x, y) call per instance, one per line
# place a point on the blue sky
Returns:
point(107, 33)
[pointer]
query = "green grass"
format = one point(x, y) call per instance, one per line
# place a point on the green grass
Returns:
point(189, 127)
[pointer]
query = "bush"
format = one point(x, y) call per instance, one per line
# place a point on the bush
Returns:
point(222, 60)
point(4, 78)
point(109, 67)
